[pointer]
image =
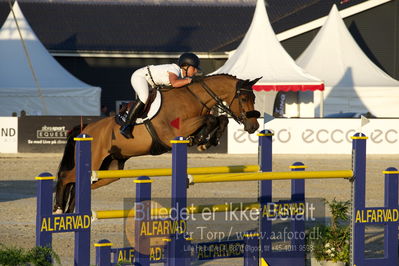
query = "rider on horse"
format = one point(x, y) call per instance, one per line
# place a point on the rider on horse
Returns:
point(154, 76)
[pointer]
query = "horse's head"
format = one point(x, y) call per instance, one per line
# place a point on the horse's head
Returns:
point(243, 105)
point(237, 96)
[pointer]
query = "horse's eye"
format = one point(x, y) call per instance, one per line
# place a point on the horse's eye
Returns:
point(244, 99)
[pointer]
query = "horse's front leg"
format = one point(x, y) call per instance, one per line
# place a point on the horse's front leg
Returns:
point(214, 139)
point(192, 128)
point(223, 121)
point(209, 126)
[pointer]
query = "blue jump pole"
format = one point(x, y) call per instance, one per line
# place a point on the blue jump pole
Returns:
point(391, 228)
point(296, 255)
point(265, 153)
point(44, 205)
point(78, 222)
point(362, 216)
point(359, 194)
point(83, 197)
point(103, 253)
point(143, 215)
point(251, 248)
point(178, 248)
point(298, 223)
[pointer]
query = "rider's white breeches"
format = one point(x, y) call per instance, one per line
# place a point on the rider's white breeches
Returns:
point(140, 84)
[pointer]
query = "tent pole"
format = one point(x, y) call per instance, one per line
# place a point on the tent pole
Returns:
point(298, 104)
point(321, 104)
point(28, 59)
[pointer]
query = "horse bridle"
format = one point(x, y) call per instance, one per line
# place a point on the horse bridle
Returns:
point(248, 114)
point(226, 108)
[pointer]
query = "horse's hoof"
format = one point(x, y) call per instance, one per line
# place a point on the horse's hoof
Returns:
point(201, 147)
point(202, 139)
point(58, 211)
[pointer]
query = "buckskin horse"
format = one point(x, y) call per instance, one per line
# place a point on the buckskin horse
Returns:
point(190, 104)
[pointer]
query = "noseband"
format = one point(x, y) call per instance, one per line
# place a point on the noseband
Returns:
point(249, 114)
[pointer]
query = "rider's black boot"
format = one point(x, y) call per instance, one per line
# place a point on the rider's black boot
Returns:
point(134, 112)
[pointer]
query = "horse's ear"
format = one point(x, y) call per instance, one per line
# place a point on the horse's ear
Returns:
point(242, 83)
point(253, 82)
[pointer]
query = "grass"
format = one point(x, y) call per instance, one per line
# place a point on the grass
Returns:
point(39, 256)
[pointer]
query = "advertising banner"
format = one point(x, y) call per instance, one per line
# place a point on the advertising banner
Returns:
point(47, 133)
point(318, 136)
point(8, 134)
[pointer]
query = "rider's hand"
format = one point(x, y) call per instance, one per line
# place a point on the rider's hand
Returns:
point(196, 78)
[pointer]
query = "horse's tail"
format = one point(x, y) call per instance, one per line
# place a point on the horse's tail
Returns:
point(68, 159)
point(64, 194)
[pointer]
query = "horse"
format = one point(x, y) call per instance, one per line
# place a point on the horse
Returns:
point(190, 105)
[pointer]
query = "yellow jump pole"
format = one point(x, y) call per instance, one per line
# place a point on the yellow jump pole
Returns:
point(163, 212)
point(168, 171)
point(271, 176)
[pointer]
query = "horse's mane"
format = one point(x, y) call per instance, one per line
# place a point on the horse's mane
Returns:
point(201, 78)
point(222, 74)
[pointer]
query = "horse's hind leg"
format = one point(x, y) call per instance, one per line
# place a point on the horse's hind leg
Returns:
point(70, 198)
point(65, 189)
point(65, 184)
point(65, 192)
point(109, 164)
point(59, 197)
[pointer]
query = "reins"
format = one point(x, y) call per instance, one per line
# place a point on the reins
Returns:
point(198, 98)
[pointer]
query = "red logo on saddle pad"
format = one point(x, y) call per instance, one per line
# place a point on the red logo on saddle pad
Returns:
point(176, 123)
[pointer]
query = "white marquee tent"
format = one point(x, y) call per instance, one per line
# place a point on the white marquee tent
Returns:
point(261, 54)
point(353, 82)
point(32, 80)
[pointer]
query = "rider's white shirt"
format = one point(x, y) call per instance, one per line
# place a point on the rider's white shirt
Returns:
point(160, 73)
point(141, 79)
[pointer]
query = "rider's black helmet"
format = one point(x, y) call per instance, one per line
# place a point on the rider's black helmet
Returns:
point(189, 59)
